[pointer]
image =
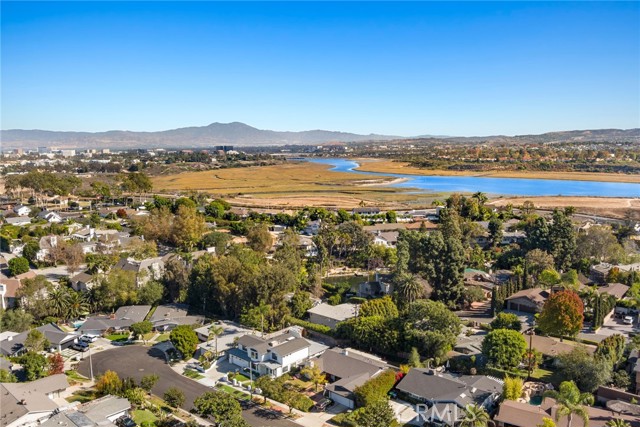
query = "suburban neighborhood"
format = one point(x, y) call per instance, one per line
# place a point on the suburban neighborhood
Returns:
point(153, 310)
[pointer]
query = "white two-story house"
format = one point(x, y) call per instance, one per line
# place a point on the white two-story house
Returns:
point(272, 355)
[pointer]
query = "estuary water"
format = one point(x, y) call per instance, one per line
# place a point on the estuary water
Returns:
point(494, 186)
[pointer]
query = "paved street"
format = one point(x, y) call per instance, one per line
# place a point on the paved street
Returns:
point(136, 361)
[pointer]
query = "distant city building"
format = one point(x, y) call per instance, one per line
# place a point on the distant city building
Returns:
point(224, 148)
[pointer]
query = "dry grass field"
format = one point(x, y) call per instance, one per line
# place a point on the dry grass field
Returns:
point(292, 185)
point(389, 166)
point(613, 207)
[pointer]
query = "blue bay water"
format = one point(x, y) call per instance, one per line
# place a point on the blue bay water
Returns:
point(497, 186)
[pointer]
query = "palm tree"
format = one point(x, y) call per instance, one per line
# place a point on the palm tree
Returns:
point(59, 301)
point(409, 289)
point(475, 416)
point(77, 305)
point(214, 331)
point(571, 402)
point(618, 422)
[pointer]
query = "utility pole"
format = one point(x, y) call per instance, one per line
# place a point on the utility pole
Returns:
point(90, 363)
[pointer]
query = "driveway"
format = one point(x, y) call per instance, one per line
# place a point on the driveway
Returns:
point(610, 327)
point(135, 361)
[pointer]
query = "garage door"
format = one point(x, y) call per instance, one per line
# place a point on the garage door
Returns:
point(341, 400)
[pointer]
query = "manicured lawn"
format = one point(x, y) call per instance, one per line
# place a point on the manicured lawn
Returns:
point(192, 374)
point(141, 416)
point(163, 337)
point(117, 337)
point(241, 378)
point(74, 375)
point(232, 391)
point(82, 396)
point(148, 336)
point(547, 376)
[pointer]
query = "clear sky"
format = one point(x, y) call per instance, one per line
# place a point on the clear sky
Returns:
point(453, 68)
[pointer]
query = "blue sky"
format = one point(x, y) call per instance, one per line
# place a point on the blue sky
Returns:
point(452, 68)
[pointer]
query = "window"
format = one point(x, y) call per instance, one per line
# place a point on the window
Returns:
point(253, 354)
point(285, 369)
point(274, 356)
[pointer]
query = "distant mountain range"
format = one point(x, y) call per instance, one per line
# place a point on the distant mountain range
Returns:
point(240, 134)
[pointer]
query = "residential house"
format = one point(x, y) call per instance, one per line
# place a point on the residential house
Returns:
point(308, 246)
point(331, 315)
point(168, 316)
point(448, 395)
point(346, 369)
point(366, 211)
point(8, 289)
point(18, 220)
point(528, 300)
point(312, 228)
point(29, 403)
point(479, 279)
point(84, 281)
point(384, 226)
point(275, 354)
point(103, 411)
point(519, 414)
point(375, 288)
point(598, 273)
point(145, 270)
point(553, 347)
point(84, 234)
point(425, 225)
point(58, 338)
point(617, 290)
point(121, 320)
point(388, 239)
point(50, 216)
point(47, 245)
point(22, 210)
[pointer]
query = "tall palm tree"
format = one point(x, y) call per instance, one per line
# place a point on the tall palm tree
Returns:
point(475, 416)
point(570, 402)
point(59, 301)
point(618, 422)
point(77, 305)
point(408, 288)
point(214, 331)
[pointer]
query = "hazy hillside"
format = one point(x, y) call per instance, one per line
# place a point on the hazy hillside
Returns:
point(240, 134)
point(205, 136)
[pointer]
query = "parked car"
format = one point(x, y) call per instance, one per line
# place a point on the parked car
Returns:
point(323, 404)
point(195, 367)
point(628, 320)
point(125, 421)
point(89, 338)
point(80, 346)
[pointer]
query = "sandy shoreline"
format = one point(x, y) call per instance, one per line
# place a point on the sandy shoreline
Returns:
point(389, 166)
point(384, 183)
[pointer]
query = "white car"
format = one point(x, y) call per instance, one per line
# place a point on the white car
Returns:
point(628, 320)
point(89, 338)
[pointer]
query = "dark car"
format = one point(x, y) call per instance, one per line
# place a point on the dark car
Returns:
point(80, 346)
point(323, 404)
point(125, 421)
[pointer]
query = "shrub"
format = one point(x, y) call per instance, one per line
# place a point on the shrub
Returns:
point(375, 389)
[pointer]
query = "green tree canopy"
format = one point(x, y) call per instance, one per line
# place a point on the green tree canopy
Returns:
point(504, 348)
point(185, 340)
